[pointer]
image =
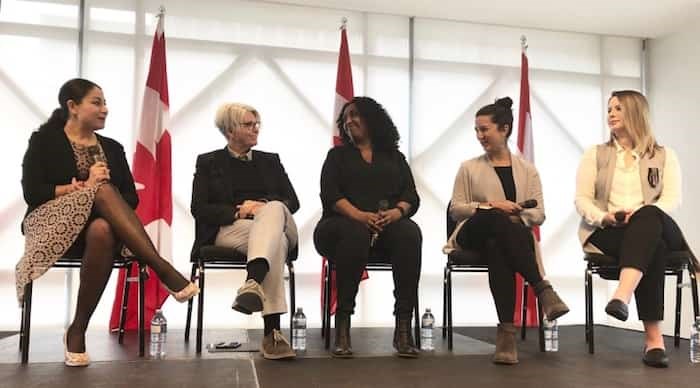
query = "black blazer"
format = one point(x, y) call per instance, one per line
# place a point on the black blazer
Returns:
point(212, 196)
point(49, 161)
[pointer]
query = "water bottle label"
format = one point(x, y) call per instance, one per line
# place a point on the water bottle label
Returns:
point(155, 329)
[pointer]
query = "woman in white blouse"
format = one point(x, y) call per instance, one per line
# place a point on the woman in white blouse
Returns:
point(625, 189)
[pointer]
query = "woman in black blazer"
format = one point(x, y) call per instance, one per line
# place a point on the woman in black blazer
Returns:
point(80, 196)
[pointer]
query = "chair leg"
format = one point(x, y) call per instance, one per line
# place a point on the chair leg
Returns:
point(449, 309)
point(444, 303)
point(200, 309)
point(540, 326)
point(26, 323)
point(694, 291)
point(523, 316)
point(21, 326)
point(679, 296)
point(292, 296)
point(589, 311)
point(327, 306)
point(188, 321)
point(324, 282)
point(416, 328)
point(143, 274)
point(125, 300)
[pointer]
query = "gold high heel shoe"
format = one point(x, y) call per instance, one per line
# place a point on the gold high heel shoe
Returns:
point(74, 359)
point(185, 294)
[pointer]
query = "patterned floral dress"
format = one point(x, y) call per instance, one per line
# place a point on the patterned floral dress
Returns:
point(54, 226)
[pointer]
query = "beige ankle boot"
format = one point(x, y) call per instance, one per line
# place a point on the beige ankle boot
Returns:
point(506, 349)
point(552, 305)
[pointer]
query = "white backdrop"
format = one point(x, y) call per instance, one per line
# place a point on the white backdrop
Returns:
point(282, 60)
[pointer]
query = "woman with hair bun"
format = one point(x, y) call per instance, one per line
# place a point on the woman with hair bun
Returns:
point(486, 203)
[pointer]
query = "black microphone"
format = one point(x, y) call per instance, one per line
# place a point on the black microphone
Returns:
point(382, 206)
point(620, 215)
point(95, 155)
point(528, 204)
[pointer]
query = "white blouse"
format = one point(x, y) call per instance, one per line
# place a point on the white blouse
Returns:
point(626, 189)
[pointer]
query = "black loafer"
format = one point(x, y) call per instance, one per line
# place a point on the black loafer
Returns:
point(656, 358)
point(617, 309)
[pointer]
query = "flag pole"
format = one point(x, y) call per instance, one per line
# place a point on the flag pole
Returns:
point(523, 43)
point(161, 11)
point(343, 23)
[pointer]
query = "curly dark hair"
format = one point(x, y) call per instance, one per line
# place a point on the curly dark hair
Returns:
point(382, 131)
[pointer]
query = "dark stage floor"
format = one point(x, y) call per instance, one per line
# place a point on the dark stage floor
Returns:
point(616, 363)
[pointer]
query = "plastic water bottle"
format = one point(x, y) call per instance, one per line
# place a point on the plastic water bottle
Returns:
point(299, 330)
point(695, 342)
point(159, 332)
point(551, 335)
point(426, 331)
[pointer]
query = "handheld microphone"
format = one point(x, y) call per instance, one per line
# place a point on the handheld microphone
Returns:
point(95, 155)
point(620, 215)
point(382, 206)
point(528, 204)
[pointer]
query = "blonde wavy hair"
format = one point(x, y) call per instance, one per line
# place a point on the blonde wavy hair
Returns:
point(229, 116)
point(637, 122)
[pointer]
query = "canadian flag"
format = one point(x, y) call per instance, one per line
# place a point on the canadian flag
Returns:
point(152, 174)
point(343, 94)
point(526, 148)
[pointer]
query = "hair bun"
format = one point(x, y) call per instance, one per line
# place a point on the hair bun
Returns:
point(505, 102)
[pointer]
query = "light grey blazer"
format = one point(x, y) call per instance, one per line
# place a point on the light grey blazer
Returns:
point(477, 181)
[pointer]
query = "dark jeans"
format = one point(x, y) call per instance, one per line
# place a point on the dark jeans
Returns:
point(642, 244)
point(508, 248)
point(347, 244)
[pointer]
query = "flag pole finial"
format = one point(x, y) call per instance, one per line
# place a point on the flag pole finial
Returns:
point(343, 23)
point(523, 42)
point(161, 11)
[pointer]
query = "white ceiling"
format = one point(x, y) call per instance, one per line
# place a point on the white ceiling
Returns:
point(638, 18)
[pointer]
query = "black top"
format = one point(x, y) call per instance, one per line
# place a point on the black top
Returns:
point(505, 174)
point(346, 174)
point(246, 182)
point(50, 161)
point(213, 199)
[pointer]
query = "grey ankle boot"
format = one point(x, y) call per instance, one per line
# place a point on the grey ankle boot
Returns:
point(506, 348)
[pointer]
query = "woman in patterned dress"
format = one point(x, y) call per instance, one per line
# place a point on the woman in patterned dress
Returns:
point(80, 196)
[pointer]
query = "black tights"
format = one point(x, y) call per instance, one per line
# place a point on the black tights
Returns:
point(115, 221)
point(508, 248)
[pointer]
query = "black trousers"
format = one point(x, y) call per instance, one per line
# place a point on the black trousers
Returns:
point(347, 244)
point(642, 244)
point(508, 248)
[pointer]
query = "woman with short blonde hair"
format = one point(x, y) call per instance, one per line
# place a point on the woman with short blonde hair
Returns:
point(230, 115)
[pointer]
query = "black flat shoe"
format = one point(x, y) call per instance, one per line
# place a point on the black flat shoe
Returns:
point(618, 309)
point(655, 358)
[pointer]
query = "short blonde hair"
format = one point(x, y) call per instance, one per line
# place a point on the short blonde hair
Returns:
point(230, 115)
point(637, 121)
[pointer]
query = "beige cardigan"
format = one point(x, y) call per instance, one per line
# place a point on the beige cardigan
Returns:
point(477, 181)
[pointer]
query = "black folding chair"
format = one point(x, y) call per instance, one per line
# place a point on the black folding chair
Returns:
point(607, 267)
point(75, 262)
point(375, 263)
point(216, 257)
point(474, 262)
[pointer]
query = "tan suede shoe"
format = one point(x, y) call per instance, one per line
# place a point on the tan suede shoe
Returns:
point(275, 347)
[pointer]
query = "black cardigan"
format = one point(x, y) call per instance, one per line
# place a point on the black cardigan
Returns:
point(212, 193)
point(49, 161)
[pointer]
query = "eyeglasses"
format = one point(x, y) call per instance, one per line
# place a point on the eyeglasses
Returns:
point(250, 125)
